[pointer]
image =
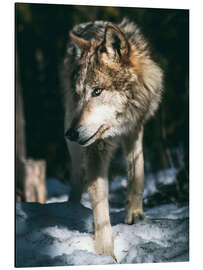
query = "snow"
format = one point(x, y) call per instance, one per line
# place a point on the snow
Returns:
point(154, 180)
point(60, 233)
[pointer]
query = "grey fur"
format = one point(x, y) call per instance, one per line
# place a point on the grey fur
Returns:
point(112, 87)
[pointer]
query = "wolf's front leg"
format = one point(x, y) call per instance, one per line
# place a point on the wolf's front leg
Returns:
point(135, 166)
point(97, 162)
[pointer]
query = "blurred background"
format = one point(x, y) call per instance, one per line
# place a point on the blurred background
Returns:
point(41, 33)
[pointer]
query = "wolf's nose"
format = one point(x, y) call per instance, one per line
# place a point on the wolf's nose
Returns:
point(72, 134)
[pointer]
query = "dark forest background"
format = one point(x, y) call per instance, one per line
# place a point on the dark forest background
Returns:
point(42, 31)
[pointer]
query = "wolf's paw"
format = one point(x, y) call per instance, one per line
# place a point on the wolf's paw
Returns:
point(134, 216)
point(104, 242)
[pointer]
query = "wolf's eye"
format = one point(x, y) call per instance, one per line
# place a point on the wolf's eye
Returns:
point(97, 91)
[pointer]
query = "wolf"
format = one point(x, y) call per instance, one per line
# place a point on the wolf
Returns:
point(112, 86)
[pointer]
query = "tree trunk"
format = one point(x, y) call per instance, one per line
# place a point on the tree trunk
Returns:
point(30, 174)
point(20, 140)
point(35, 185)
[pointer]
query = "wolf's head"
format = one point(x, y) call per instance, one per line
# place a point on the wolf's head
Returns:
point(114, 85)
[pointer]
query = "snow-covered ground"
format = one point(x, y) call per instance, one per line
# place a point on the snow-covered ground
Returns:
point(60, 233)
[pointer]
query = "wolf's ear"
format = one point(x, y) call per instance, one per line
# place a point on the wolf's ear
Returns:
point(116, 44)
point(80, 42)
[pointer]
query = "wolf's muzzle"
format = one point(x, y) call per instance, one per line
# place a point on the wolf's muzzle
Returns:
point(72, 134)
